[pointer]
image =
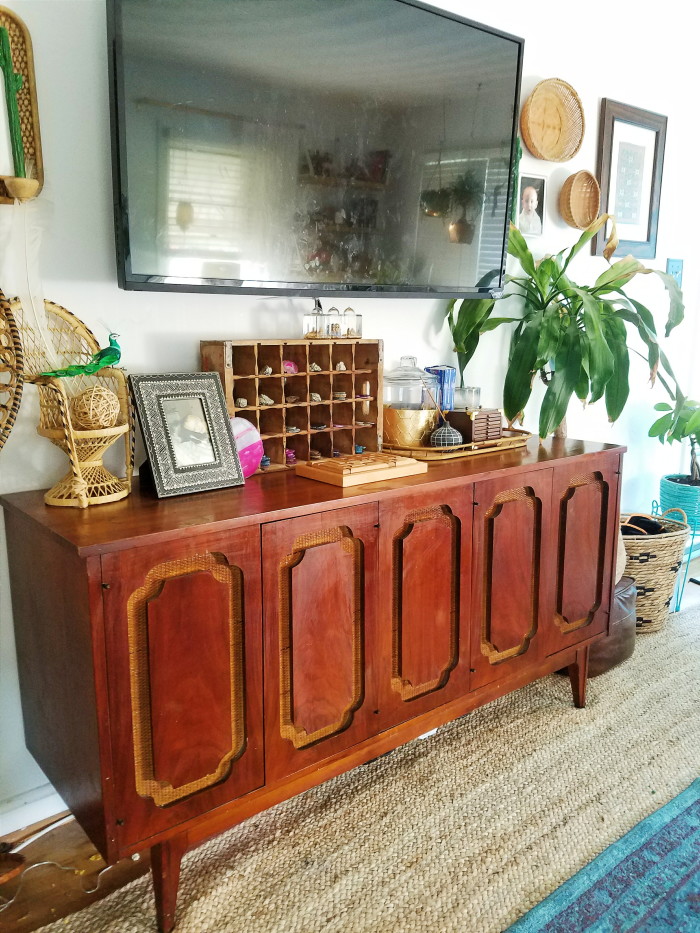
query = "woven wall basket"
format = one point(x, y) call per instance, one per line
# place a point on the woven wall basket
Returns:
point(654, 561)
point(579, 200)
point(552, 122)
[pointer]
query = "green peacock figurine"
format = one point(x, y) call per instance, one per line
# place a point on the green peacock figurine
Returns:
point(108, 356)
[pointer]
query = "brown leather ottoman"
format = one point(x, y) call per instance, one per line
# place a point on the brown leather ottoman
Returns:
point(619, 645)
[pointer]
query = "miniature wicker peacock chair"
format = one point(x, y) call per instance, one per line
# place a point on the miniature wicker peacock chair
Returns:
point(88, 482)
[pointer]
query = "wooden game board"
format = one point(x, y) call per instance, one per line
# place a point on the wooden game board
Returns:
point(356, 469)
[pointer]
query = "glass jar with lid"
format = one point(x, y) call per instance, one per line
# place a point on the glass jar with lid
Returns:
point(407, 386)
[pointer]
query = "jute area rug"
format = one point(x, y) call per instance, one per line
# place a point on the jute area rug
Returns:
point(459, 833)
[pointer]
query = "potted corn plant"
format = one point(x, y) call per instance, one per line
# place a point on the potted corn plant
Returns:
point(574, 337)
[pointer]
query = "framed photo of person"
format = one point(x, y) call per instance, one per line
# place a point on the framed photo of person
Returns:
point(187, 432)
point(631, 145)
point(531, 205)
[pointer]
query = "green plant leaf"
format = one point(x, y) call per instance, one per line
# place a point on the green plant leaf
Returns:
point(493, 322)
point(550, 336)
point(662, 406)
point(661, 426)
point(521, 368)
point(465, 328)
point(600, 358)
point(567, 370)
point(618, 274)
point(676, 310)
point(585, 237)
point(617, 388)
point(518, 247)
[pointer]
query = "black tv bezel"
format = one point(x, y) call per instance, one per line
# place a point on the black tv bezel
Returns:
point(130, 281)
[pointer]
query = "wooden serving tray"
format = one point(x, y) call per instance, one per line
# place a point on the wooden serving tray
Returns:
point(360, 468)
point(512, 437)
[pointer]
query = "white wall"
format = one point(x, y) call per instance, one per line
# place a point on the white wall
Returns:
point(641, 59)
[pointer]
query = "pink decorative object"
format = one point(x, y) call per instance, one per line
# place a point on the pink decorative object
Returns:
point(249, 445)
point(289, 366)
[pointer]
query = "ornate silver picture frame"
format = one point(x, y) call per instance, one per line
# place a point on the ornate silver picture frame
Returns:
point(187, 432)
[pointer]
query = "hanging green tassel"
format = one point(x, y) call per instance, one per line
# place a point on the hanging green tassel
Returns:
point(13, 83)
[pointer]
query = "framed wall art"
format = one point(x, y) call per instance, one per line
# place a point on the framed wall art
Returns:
point(187, 432)
point(631, 146)
point(531, 205)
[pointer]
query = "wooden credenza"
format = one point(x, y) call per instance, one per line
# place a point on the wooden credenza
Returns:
point(185, 663)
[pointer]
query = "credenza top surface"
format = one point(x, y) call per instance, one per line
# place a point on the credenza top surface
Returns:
point(143, 519)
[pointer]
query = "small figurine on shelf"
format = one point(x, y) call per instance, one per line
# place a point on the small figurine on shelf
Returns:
point(290, 367)
point(289, 456)
point(266, 370)
point(241, 403)
point(107, 356)
point(315, 397)
point(359, 449)
point(315, 368)
point(265, 399)
point(265, 462)
point(341, 367)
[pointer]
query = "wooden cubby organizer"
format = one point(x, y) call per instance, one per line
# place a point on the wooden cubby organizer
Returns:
point(353, 420)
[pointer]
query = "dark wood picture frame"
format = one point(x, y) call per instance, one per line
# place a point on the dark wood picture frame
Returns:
point(614, 115)
point(187, 432)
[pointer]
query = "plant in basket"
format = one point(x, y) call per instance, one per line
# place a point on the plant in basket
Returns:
point(679, 422)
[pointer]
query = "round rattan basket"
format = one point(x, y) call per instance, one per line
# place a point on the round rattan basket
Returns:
point(579, 200)
point(654, 561)
point(552, 122)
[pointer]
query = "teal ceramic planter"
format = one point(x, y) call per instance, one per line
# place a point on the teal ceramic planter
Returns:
point(680, 496)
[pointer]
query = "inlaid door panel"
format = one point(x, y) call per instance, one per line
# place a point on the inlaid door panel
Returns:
point(584, 510)
point(424, 588)
point(510, 578)
point(320, 635)
point(184, 642)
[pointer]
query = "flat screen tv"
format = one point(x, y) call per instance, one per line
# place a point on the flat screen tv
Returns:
point(310, 147)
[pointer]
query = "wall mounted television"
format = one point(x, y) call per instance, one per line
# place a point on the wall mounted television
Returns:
point(310, 147)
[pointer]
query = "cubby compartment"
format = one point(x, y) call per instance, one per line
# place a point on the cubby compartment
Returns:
point(247, 389)
point(320, 354)
point(367, 438)
point(272, 389)
point(239, 364)
point(342, 414)
point(322, 443)
point(297, 387)
point(297, 354)
point(322, 386)
point(299, 444)
point(244, 360)
point(343, 441)
point(343, 382)
point(342, 353)
point(269, 355)
point(271, 421)
point(249, 415)
point(296, 417)
point(319, 415)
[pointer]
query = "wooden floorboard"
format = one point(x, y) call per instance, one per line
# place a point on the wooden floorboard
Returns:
point(47, 893)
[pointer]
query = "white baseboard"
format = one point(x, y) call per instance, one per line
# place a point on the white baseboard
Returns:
point(27, 809)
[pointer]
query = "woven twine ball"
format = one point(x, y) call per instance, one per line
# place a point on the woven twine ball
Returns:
point(445, 436)
point(95, 408)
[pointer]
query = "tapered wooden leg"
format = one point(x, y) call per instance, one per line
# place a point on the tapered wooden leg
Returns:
point(578, 672)
point(165, 868)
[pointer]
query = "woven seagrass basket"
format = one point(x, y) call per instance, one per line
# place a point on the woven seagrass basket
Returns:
point(579, 200)
point(654, 561)
point(552, 122)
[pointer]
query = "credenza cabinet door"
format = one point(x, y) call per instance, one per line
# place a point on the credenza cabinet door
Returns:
point(183, 647)
point(510, 579)
point(424, 589)
point(585, 506)
point(320, 636)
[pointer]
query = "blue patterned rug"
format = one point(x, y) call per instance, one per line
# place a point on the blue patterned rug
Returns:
point(646, 882)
